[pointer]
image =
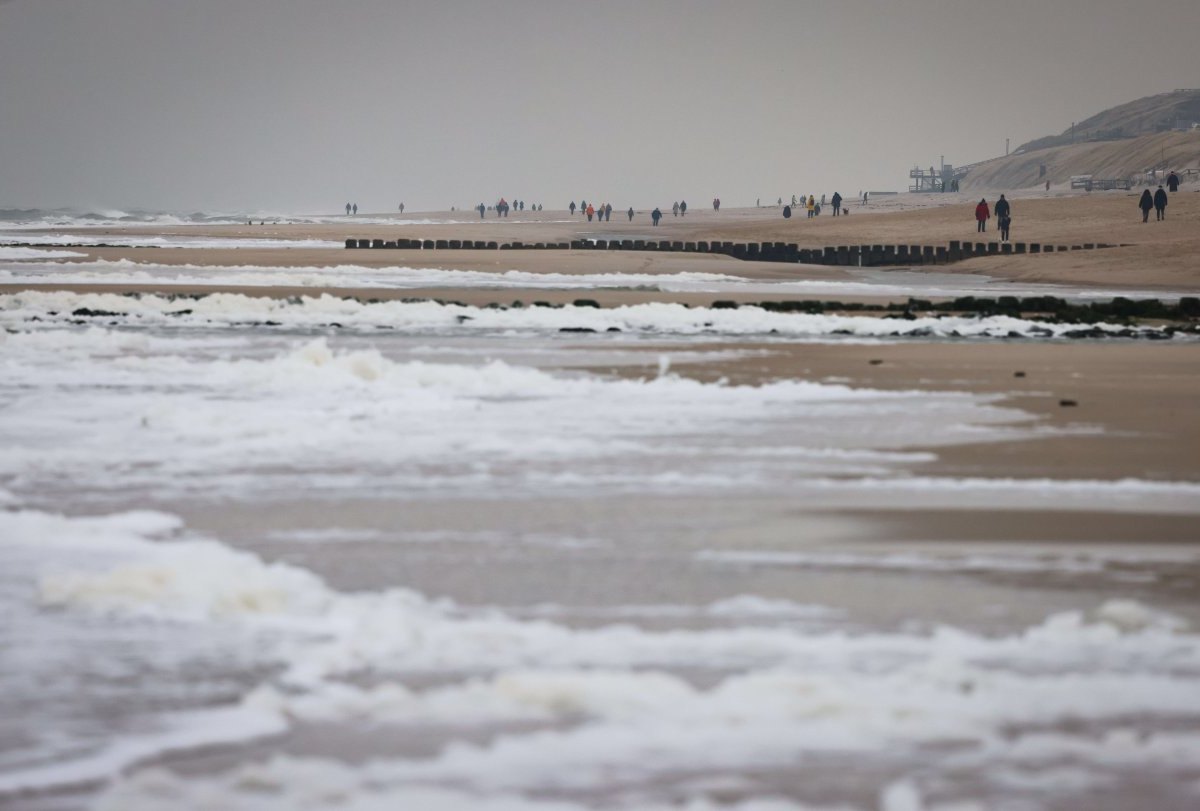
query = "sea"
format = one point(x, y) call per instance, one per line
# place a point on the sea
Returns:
point(311, 553)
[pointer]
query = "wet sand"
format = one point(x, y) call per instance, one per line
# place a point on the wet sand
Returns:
point(1142, 395)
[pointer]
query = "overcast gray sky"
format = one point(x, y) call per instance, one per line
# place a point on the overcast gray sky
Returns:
point(303, 105)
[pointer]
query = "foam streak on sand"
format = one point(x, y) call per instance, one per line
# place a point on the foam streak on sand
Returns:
point(161, 415)
point(116, 219)
point(125, 272)
point(111, 240)
point(608, 709)
point(227, 309)
point(175, 417)
point(14, 254)
point(29, 269)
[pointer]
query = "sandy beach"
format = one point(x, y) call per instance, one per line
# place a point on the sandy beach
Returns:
point(1138, 397)
point(507, 521)
point(321, 490)
point(1151, 255)
point(1139, 393)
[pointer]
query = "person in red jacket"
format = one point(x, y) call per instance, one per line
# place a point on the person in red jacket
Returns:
point(982, 213)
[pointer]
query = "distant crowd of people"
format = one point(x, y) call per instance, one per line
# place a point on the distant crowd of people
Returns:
point(1156, 201)
point(813, 207)
point(502, 207)
point(603, 212)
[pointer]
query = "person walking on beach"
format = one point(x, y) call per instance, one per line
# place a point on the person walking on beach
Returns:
point(1173, 182)
point(630, 213)
point(356, 209)
point(836, 200)
point(591, 212)
point(1003, 216)
point(982, 213)
point(716, 204)
point(402, 208)
point(607, 212)
point(347, 209)
point(1160, 203)
point(675, 209)
point(1145, 203)
point(481, 208)
point(655, 215)
point(1003, 209)
point(572, 208)
point(682, 207)
point(811, 205)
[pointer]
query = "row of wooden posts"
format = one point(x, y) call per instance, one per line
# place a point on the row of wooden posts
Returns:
point(851, 255)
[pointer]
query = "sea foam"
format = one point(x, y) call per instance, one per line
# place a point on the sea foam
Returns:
point(611, 709)
point(225, 309)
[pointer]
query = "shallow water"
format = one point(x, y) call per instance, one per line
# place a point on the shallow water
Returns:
point(421, 561)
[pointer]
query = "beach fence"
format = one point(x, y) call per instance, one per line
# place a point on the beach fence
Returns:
point(875, 255)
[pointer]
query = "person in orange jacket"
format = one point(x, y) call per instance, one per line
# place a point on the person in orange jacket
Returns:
point(982, 214)
point(591, 212)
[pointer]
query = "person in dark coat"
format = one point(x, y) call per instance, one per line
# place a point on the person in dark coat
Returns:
point(1003, 209)
point(1003, 217)
point(682, 207)
point(1173, 182)
point(837, 204)
point(1145, 203)
point(572, 207)
point(655, 215)
point(630, 213)
point(481, 208)
point(1160, 203)
point(787, 212)
point(982, 213)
